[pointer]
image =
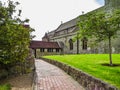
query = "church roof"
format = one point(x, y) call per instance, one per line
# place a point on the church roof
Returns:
point(68, 24)
point(43, 44)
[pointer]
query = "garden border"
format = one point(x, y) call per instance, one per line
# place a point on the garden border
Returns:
point(87, 81)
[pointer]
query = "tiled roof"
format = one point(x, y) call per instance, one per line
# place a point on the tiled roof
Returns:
point(43, 44)
point(68, 24)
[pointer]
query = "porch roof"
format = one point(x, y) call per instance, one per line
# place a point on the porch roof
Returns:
point(43, 44)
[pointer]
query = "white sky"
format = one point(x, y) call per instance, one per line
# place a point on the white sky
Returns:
point(46, 15)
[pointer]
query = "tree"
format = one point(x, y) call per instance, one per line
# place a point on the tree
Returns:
point(100, 26)
point(14, 36)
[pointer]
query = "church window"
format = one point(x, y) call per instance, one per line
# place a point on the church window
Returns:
point(84, 43)
point(71, 44)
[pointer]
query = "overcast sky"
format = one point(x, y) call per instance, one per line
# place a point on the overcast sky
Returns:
point(46, 15)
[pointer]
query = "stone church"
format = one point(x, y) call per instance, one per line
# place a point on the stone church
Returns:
point(67, 31)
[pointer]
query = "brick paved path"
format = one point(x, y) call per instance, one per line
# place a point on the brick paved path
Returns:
point(50, 77)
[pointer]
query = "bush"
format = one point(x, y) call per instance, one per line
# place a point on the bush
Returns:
point(5, 87)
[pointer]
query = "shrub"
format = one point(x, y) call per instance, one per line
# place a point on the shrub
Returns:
point(5, 87)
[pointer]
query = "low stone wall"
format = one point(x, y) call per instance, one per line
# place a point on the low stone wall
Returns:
point(87, 81)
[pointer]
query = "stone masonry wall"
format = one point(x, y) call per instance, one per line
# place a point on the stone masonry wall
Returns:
point(87, 81)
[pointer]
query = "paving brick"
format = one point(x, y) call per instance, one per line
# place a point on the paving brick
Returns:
point(50, 77)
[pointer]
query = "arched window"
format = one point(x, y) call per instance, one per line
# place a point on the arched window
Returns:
point(71, 44)
point(84, 43)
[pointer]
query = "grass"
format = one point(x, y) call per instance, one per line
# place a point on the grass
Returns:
point(92, 64)
point(5, 87)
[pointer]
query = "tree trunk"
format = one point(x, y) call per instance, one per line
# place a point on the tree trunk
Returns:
point(77, 45)
point(110, 51)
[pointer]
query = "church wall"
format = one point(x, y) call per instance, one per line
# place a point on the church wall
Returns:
point(65, 39)
point(101, 47)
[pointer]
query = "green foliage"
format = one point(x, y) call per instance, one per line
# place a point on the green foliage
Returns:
point(5, 87)
point(92, 64)
point(14, 36)
point(100, 26)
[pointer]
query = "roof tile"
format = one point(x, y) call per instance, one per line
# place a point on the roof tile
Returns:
point(43, 44)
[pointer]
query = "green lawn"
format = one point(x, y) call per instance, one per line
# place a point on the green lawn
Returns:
point(92, 64)
point(5, 87)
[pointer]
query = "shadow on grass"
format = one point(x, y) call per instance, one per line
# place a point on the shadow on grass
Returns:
point(107, 64)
